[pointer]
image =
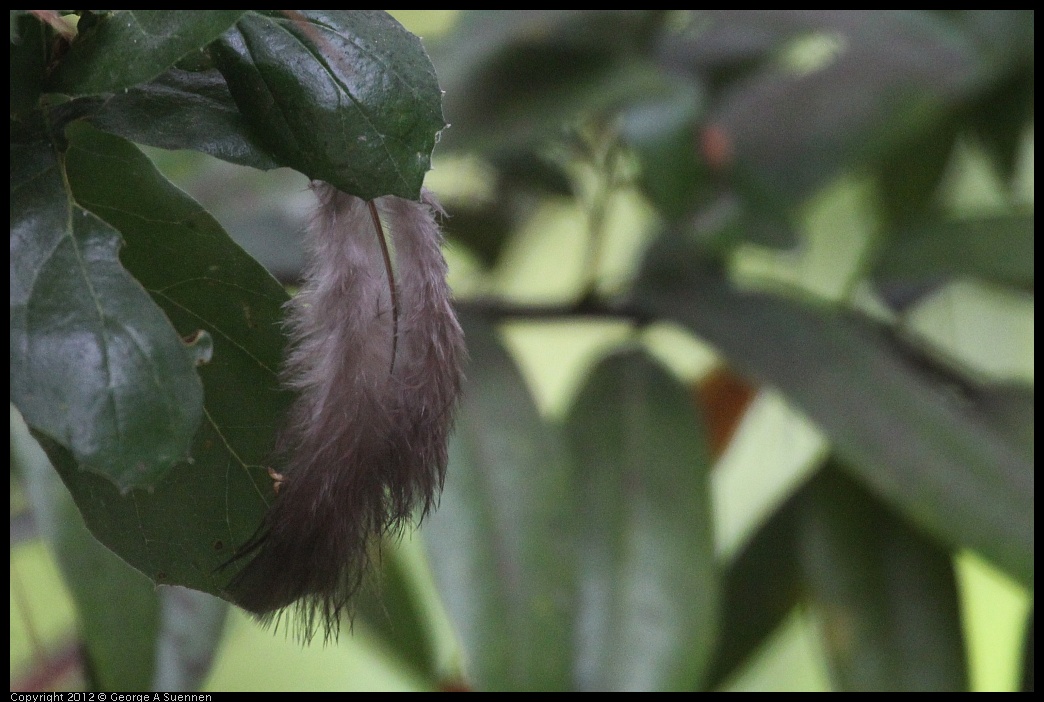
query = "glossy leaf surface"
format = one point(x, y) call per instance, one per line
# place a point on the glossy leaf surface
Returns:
point(118, 49)
point(347, 97)
point(95, 364)
point(647, 578)
point(181, 529)
point(501, 543)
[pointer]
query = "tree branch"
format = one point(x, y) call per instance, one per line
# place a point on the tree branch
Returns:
point(585, 307)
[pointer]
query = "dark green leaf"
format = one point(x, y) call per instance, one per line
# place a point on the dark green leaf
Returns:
point(998, 249)
point(95, 364)
point(760, 587)
point(191, 628)
point(1002, 116)
point(183, 110)
point(500, 543)
point(895, 75)
point(665, 136)
point(183, 528)
point(1010, 409)
point(726, 222)
point(483, 227)
point(348, 97)
point(886, 596)
point(909, 175)
point(136, 637)
point(530, 171)
point(13, 16)
point(392, 609)
point(513, 79)
point(126, 47)
point(647, 579)
point(1005, 37)
point(723, 45)
point(902, 295)
point(117, 608)
point(913, 439)
point(28, 61)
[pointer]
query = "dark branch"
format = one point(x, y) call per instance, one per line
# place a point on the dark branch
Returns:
point(498, 308)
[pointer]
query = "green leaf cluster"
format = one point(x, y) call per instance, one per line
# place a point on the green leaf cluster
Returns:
point(145, 343)
point(735, 126)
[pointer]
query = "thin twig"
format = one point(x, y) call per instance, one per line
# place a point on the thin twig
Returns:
point(600, 151)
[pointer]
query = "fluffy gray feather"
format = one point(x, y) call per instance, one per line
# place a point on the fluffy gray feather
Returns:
point(365, 441)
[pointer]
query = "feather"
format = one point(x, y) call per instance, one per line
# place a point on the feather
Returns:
point(376, 363)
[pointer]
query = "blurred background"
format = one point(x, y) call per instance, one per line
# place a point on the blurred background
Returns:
point(552, 201)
